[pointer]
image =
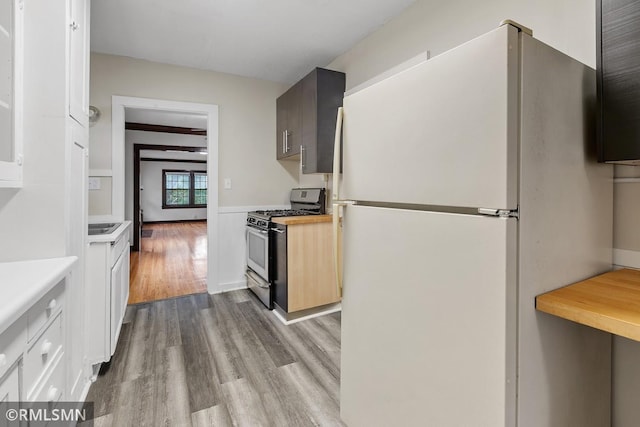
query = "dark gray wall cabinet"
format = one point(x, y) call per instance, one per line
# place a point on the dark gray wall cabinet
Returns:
point(289, 122)
point(306, 120)
point(618, 72)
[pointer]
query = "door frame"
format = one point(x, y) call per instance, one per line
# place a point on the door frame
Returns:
point(118, 105)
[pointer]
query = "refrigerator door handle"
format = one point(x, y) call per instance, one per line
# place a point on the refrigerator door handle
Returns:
point(337, 236)
point(337, 240)
point(500, 213)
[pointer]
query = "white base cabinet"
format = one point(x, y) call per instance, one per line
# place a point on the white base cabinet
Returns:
point(33, 331)
point(107, 293)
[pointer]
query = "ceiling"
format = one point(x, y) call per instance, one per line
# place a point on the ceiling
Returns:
point(278, 40)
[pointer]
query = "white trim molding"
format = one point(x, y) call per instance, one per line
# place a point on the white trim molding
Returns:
point(118, 105)
point(626, 180)
point(626, 258)
point(231, 286)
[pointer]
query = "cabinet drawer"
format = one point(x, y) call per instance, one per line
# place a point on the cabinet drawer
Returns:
point(10, 386)
point(119, 246)
point(45, 309)
point(12, 343)
point(51, 388)
point(41, 353)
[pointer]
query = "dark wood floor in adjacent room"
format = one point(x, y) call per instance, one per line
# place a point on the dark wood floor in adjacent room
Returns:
point(171, 262)
point(220, 360)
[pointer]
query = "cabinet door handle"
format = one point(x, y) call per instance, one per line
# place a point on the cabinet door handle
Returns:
point(283, 145)
point(52, 394)
point(46, 347)
point(302, 164)
point(74, 26)
point(277, 231)
point(286, 141)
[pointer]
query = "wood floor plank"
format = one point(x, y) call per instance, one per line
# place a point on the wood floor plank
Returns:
point(283, 402)
point(134, 406)
point(171, 402)
point(203, 383)
point(267, 335)
point(325, 409)
point(104, 392)
point(217, 416)
point(221, 360)
point(173, 262)
point(322, 367)
point(245, 404)
point(228, 361)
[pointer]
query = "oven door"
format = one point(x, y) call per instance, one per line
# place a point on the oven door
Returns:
point(258, 251)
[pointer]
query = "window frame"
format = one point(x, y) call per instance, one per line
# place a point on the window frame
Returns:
point(192, 189)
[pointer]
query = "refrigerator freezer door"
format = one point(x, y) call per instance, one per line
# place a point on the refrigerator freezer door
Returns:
point(443, 132)
point(428, 337)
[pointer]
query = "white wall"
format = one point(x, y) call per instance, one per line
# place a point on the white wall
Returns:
point(247, 117)
point(246, 140)
point(567, 25)
point(151, 195)
point(626, 253)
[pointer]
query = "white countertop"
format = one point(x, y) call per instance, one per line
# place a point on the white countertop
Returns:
point(23, 283)
point(111, 237)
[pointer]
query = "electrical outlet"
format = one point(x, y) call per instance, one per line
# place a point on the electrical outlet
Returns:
point(227, 183)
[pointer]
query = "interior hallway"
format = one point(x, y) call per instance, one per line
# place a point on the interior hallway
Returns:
point(171, 262)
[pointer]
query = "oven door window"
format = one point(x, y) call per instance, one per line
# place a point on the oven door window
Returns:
point(258, 252)
point(257, 249)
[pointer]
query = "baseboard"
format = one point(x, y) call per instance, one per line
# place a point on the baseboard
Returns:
point(626, 258)
point(175, 220)
point(299, 316)
point(230, 286)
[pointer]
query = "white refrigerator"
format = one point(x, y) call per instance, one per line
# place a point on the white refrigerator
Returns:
point(470, 186)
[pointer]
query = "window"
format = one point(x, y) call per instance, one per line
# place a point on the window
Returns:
point(184, 189)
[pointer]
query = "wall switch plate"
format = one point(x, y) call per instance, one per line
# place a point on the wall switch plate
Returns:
point(94, 183)
point(227, 183)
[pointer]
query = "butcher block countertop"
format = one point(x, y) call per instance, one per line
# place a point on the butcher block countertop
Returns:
point(304, 219)
point(609, 302)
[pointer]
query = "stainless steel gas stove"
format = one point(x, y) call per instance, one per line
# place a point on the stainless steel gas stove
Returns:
point(304, 201)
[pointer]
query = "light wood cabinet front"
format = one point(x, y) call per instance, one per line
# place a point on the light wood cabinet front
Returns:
point(311, 275)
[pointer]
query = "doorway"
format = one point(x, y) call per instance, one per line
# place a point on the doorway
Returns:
point(122, 203)
point(169, 186)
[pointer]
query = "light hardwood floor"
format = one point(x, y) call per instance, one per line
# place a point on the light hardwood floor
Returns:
point(220, 360)
point(170, 263)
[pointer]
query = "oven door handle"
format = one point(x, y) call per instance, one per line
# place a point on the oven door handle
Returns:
point(251, 229)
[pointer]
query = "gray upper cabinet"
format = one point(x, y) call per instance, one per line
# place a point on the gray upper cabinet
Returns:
point(322, 94)
point(319, 94)
point(289, 122)
point(618, 66)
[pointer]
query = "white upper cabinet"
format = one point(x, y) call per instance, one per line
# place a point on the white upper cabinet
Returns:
point(11, 12)
point(79, 61)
